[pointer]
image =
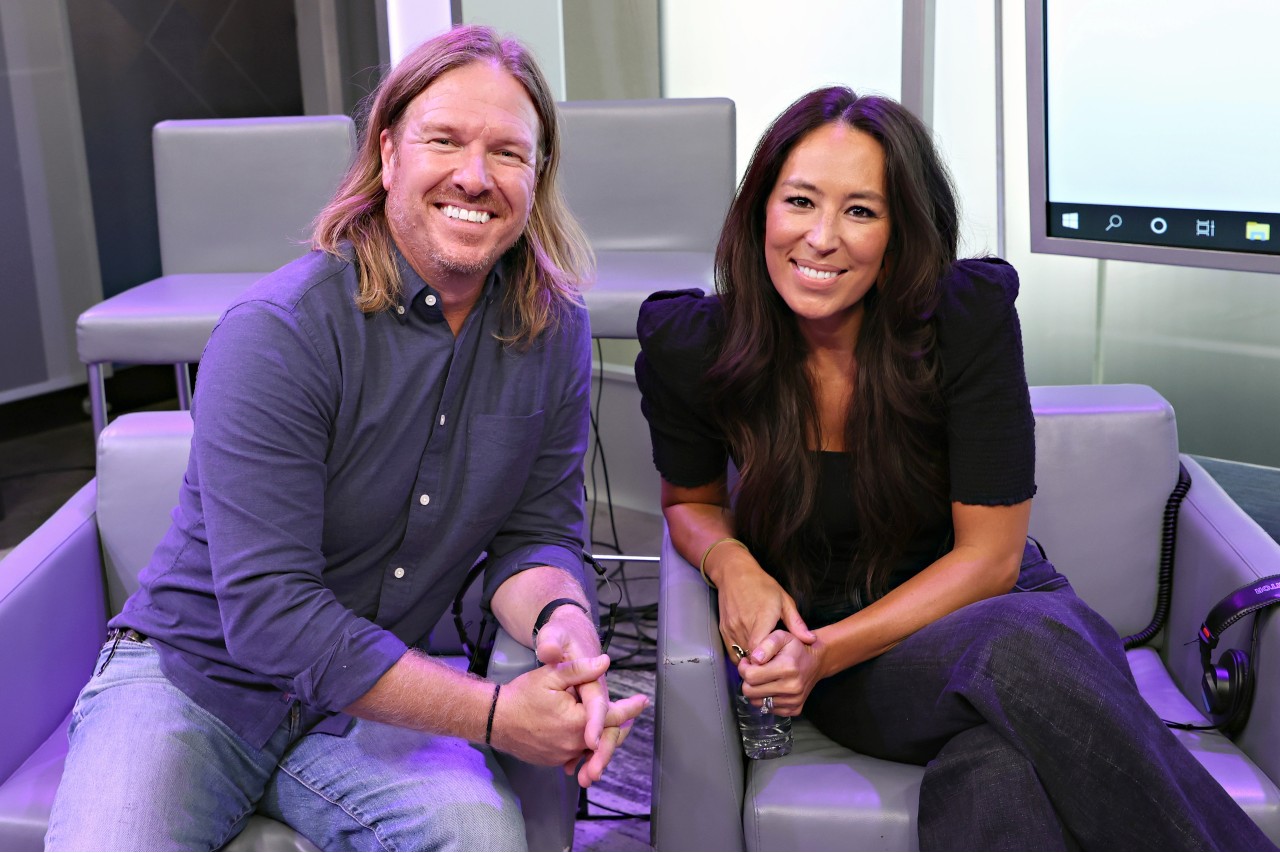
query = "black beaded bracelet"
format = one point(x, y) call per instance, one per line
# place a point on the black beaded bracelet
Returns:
point(493, 707)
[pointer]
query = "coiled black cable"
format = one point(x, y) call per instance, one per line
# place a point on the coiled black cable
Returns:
point(1168, 542)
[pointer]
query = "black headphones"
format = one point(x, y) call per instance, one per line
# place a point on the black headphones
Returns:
point(1228, 687)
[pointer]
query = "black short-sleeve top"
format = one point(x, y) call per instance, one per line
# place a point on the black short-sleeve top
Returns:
point(990, 429)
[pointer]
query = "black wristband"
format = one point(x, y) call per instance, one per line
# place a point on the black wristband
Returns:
point(544, 616)
point(493, 707)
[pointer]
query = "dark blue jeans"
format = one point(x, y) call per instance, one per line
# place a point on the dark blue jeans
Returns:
point(1033, 735)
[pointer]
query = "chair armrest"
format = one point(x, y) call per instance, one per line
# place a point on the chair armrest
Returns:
point(697, 756)
point(53, 614)
point(548, 798)
point(1219, 549)
point(509, 658)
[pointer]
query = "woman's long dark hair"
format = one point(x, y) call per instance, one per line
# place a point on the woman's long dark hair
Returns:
point(762, 391)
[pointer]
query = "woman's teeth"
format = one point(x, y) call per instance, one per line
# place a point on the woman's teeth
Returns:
point(821, 275)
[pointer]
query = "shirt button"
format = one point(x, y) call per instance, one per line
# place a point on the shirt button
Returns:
point(424, 500)
point(399, 573)
point(431, 299)
point(442, 420)
point(399, 309)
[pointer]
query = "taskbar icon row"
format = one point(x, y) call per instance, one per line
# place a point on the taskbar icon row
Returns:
point(1197, 229)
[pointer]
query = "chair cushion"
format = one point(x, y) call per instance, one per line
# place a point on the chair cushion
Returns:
point(825, 797)
point(167, 320)
point(26, 799)
point(142, 457)
point(1237, 774)
point(624, 279)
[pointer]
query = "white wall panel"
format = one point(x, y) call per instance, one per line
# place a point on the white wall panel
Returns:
point(765, 54)
point(411, 22)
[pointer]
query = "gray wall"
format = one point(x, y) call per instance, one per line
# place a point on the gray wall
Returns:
point(51, 272)
point(611, 50)
point(22, 360)
point(139, 62)
point(82, 82)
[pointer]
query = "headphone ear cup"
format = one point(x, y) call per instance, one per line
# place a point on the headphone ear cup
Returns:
point(1240, 678)
point(1215, 688)
point(1228, 691)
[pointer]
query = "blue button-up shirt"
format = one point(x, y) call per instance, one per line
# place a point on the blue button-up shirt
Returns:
point(346, 471)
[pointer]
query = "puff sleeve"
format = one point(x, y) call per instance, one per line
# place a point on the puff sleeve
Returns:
point(678, 332)
point(990, 426)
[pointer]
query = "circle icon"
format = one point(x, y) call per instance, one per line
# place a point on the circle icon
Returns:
point(1159, 226)
point(1114, 222)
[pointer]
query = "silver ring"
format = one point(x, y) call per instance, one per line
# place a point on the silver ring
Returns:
point(767, 705)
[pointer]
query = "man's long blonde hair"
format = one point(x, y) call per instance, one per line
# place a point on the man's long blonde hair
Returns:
point(551, 260)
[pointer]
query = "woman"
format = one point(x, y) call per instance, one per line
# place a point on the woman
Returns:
point(870, 391)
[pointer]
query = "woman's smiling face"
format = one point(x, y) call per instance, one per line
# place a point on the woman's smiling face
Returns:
point(827, 227)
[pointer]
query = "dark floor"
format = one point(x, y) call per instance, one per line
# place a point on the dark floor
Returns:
point(1254, 487)
point(46, 445)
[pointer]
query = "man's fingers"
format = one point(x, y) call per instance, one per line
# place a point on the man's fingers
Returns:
point(595, 699)
point(593, 768)
point(563, 639)
point(550, 647)
point(624, 710)
point(580, 671)
point(624, 731)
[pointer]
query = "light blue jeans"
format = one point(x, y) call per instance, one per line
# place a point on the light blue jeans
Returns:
point(149, 769)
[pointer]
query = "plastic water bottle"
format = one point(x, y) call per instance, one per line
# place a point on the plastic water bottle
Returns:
point(764, 733)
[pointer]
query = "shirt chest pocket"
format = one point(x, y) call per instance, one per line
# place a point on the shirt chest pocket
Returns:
point(501, 451)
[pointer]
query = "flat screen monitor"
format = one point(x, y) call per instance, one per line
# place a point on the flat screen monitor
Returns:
point(1155, 130)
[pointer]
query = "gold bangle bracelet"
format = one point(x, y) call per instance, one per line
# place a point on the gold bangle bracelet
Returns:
point(702, 564)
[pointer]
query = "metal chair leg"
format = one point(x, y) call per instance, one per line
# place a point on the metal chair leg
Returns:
point(97, 400)
point(182, 374)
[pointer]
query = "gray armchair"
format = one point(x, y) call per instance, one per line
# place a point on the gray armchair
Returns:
point(56, 590)
point(234, 199)
point(1106, 462)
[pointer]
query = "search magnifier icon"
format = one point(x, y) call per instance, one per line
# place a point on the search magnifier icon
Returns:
point(1114, 222)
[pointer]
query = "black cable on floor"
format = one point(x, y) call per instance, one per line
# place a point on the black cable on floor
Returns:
point(641, 652)
point(598, 450)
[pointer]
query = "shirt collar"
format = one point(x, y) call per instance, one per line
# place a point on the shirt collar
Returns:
point(417, 295)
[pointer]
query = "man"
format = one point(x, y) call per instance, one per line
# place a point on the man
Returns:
point(369, 420)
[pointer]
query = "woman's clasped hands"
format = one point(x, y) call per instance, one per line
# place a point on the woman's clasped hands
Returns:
point(781, 662)
point(783, 667)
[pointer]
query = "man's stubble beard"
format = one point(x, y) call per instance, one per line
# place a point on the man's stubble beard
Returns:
point(441, 260)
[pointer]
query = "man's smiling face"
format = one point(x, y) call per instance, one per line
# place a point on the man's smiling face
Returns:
point(460, 168)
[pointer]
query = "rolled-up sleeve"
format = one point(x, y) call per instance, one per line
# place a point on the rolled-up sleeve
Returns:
point(260, 459)
point(546, 526)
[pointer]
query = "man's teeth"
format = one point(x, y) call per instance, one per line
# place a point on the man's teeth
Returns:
point(810, 272)
point(469, 215)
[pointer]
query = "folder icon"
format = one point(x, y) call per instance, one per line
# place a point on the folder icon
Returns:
point(1257, 231)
